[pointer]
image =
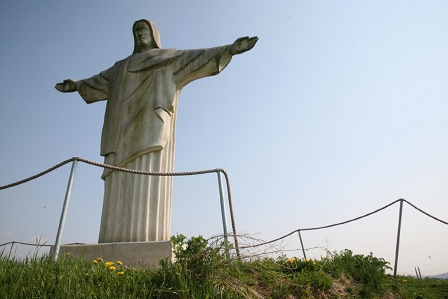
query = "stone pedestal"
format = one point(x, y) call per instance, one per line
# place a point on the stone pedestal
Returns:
point(132, 254)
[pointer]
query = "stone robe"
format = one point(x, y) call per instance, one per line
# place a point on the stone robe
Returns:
point(139, 133)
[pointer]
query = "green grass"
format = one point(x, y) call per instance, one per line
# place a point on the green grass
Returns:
point(413, 288)
point(206, 271)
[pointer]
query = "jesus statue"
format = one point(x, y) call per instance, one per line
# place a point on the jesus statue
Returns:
point(139, 128)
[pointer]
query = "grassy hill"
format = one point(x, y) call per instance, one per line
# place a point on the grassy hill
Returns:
point(205, 271)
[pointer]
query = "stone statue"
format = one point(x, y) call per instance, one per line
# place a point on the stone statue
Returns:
point(139, 128)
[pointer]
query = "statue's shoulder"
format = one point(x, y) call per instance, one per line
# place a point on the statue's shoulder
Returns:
point(122, 61)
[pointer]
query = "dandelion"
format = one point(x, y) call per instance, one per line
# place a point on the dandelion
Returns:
point(307, 260)
point(291, 260)
point(120, 263)
point(314, 263)
point(112, 268)
point(120, 273)
point(95, 261)
point(404, 280)
point(108, 264)
point(100, 259)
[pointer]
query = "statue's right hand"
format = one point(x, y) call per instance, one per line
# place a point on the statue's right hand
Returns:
point(68, 85)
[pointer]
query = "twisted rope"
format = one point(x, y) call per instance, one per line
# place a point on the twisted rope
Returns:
point(344, 222)
point(38, 245)
point(421, 211)
point(37, 175)
point(232, 218)
point(151, 173)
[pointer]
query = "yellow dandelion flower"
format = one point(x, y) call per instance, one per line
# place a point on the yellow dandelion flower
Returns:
point(307, 260)
point(314, 263)
point(404, 280)
point(68, 253)
point(100, 259)
point(291, 260)
point(120, 263)
point(95, 261)
point(112, 268)
point(108, 264)
point(120, 273)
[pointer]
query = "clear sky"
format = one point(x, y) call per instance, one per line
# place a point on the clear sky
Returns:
point(340, 109)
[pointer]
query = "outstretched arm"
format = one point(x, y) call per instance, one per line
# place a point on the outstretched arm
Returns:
point(68, 85)
point(242, 45)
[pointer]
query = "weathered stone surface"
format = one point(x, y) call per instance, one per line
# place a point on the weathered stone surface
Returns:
point(139, 128)
point(132, 254)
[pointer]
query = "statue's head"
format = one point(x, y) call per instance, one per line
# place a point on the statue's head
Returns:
point(146, 36)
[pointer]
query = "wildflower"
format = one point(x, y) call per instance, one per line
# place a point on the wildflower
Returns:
point(314, 263)
point(68, 253)
point(404, 280)
point(120, 273)
point(291, 260)
point(307, 260)
point(120, 263)
point(95, 261)
point(112, 268)
point(100, 259)
point(108, 264)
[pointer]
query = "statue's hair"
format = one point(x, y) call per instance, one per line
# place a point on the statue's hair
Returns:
point(154, 34)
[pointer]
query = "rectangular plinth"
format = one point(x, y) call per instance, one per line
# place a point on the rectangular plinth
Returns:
point(132, 254)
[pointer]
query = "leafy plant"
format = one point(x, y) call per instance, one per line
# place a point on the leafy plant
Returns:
point(368, 270)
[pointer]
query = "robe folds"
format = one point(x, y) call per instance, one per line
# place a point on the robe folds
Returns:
point(139, 133)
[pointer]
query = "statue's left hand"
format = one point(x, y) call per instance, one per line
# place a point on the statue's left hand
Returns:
point(243, 44)
point(68, 85)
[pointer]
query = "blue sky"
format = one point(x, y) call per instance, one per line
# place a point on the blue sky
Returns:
point(340, 109)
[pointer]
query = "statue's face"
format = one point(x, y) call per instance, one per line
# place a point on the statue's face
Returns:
point(143, 36)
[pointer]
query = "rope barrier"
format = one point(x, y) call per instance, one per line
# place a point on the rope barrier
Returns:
point(229, 196)
point(344, 222)
point(421, 211)
point(232, 218)
point(110, 167)
point(297, 230)
point(38, 245)
point(37, 175)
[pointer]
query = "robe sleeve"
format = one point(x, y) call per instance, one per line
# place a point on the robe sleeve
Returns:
point(196, 64)
point(96, 88)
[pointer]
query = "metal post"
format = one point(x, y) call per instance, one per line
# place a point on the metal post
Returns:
point(57, 244)
point(301, 243)
point(398, 237)
point(223, 207)
point(10, 250)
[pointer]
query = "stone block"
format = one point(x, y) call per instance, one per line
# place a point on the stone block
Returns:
point(132, 254)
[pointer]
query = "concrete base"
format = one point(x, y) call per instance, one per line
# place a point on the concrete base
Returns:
point(132, 254)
